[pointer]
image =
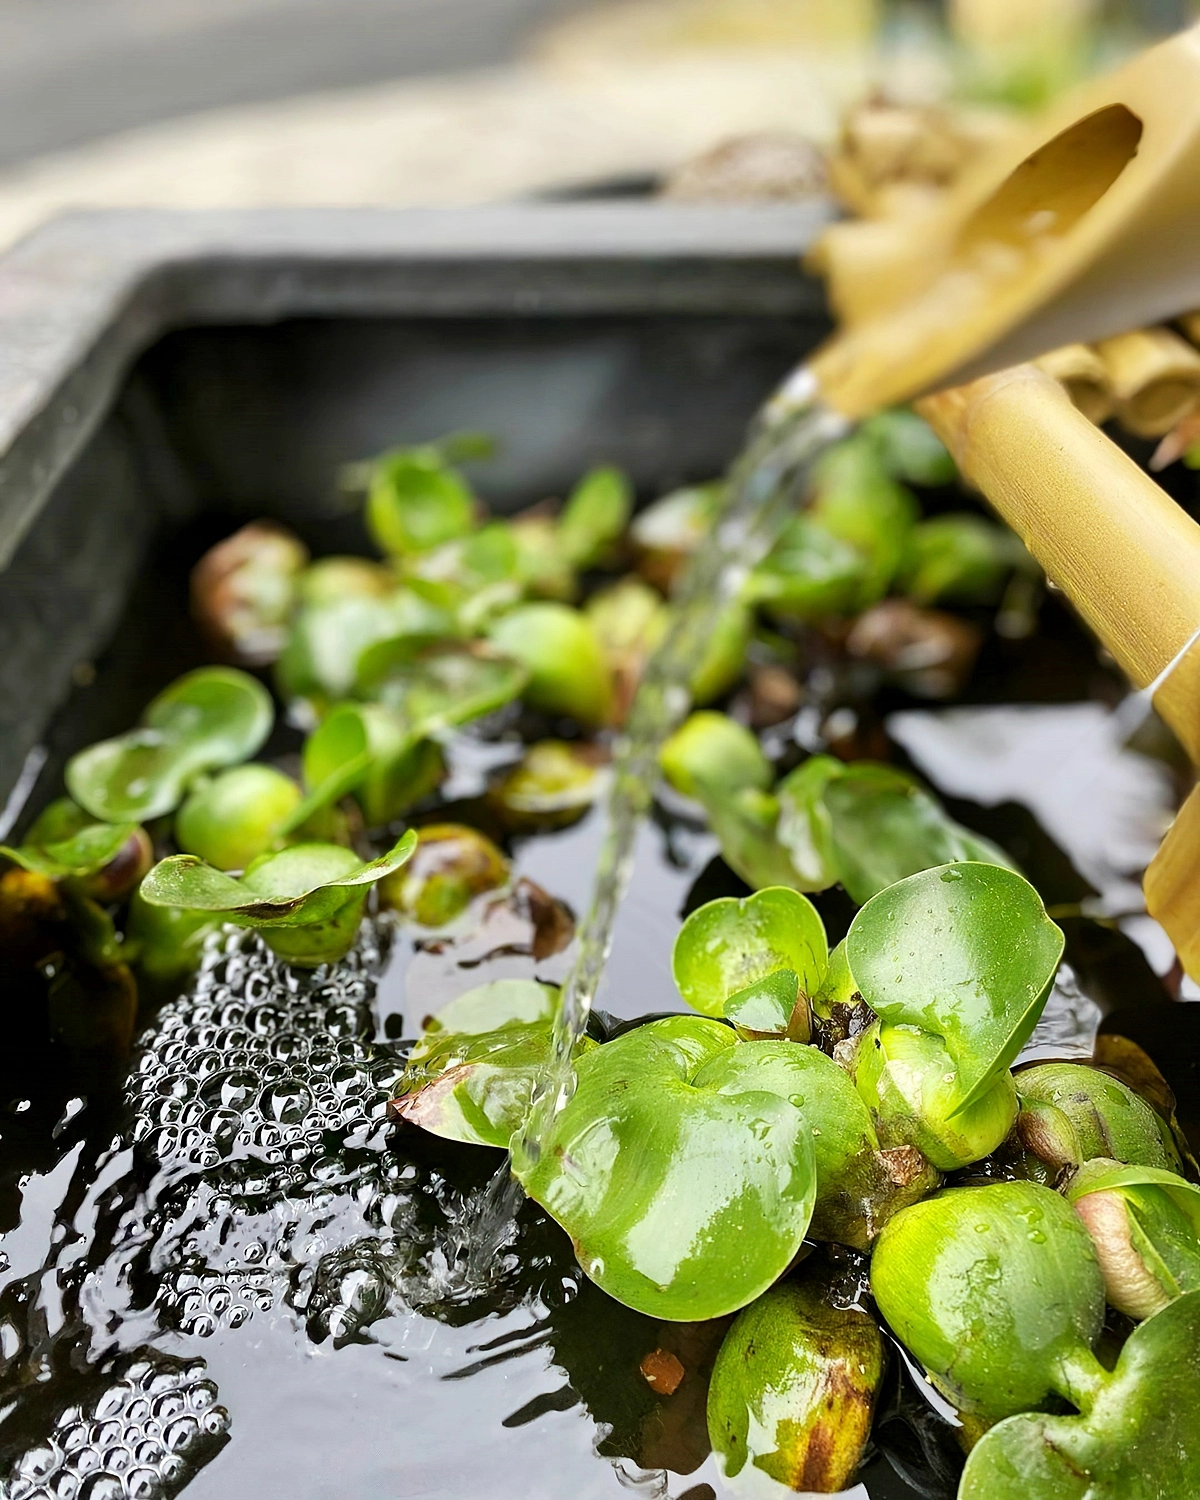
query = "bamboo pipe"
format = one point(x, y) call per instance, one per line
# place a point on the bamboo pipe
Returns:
point(1155, 378)
point(1118, 546)
point(1123, 552)
point(1080, 229)
point(1084, 376)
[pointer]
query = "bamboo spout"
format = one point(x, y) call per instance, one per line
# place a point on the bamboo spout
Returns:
point(1123, 552)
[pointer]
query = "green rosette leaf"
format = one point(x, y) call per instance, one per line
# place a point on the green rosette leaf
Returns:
point(685, 1186)
point(727, 945)
point(965, 952)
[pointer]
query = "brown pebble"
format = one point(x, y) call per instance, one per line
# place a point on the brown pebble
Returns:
point(662, 1372)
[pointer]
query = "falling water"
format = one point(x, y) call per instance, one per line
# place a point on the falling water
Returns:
point(766, 484)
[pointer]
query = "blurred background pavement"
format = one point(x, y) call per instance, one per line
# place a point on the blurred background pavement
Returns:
point(198, 103)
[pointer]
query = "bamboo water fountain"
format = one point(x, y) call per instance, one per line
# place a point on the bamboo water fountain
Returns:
point(1083, 230)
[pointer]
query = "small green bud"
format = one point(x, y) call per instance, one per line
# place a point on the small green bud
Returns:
point(1071, 1113)
point(552, 786)
point(794, 1386)
point(231, 819)
point(1145, 1225)
point(451, 864)
point(910, 1084)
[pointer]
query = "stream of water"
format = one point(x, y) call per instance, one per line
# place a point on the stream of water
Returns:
point(766, 485)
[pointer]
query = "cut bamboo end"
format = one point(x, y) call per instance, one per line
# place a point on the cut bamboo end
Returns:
point(1084, 376)
point(1155, 378)
point(1124, 553)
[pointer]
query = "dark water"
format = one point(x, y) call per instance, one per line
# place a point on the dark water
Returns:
point(228, 1271)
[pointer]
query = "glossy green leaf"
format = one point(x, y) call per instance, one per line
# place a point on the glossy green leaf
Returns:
point(205, 720)
point(793, 1388)
point(307, 900)
point(996, 1291)
point(1139, 1438)
point(1071, 1113)
point(868, 826)
point(471, 1075)
point(283, 889)
point(726, 945)
point(711, 755)
point(910, 1082)
point(965, 952)
point(558, 647)
point(686, 1187)
point(416, 501)
point(596, 513)
point(765, 1006)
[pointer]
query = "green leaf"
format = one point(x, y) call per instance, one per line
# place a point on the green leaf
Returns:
point(206, 720)
point(334, 645)
point(910, 1082)
point(1145, 1224)
point(75, 857)
point(686, 1188)
point(279, 889)
point(596, 513)
point(764, 1007)
point(810, 574)
point(232, 819)
point(726, 945)
point(996, 1291)
point(307, 900)
point(965, 952)
point(962, 559)
point(472, 579)
point(710, 755)
point(724, 658)
point(1140, 1439)
point(868, 826)
point(793, 1388)
point(908, 448)
point(470, 1077)
point(744, 825)
point(416, 501)
point(858, 502)
point(559, 648)
point(451, 686)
